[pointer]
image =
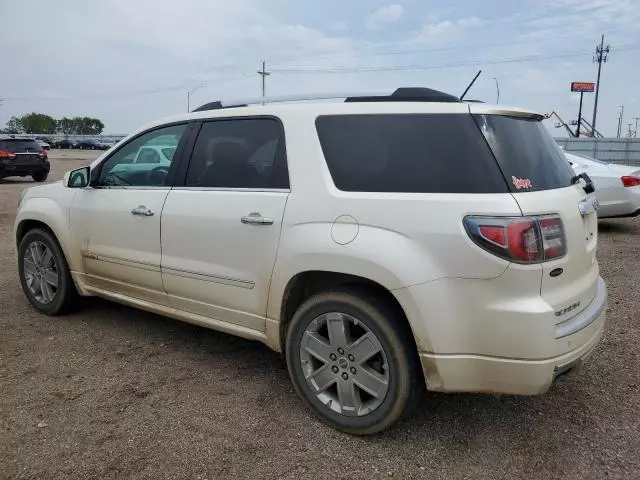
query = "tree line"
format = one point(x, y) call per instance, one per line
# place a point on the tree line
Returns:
point(46, 124)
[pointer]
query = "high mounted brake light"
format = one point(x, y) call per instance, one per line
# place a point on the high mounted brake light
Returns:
point(519, 239)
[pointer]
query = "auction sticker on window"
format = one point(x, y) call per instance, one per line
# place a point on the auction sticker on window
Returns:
point(520, 183)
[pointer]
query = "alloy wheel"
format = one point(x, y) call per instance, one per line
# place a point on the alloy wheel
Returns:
point(344, 364)
point(41, 272)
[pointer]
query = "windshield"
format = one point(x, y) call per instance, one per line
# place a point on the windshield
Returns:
point(528, 156)
point(19, 145)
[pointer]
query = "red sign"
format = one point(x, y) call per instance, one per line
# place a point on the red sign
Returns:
point(583, 87)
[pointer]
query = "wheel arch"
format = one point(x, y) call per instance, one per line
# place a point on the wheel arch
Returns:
point(307, 283)
point(50, 216)
point(24, 226)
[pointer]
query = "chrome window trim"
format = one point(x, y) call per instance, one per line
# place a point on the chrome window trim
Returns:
point(131, 187)
point(231, 189)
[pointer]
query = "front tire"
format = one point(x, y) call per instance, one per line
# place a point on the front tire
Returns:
point(351, 361)
point(44, 273)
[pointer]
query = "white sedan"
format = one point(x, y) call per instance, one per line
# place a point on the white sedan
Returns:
point(617, 186)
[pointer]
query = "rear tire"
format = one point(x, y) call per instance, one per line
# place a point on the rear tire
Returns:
point(344, 383)
point(40, 177)
point(44, 273)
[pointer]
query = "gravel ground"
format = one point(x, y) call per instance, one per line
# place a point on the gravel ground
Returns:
point(111, 392)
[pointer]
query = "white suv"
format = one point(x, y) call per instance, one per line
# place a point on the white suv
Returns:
point(380, 243)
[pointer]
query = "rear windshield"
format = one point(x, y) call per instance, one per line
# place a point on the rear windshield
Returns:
point(19, 145)
point(412, 153)
point(529, 157)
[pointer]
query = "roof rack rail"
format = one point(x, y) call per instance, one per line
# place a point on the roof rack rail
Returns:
point(399, 95)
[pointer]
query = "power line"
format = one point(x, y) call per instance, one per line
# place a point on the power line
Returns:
point(337, 70)
point(135, 92)
point(413, 51)
point(526, 58)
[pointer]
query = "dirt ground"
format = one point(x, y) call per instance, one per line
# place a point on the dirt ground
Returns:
point(110, 393)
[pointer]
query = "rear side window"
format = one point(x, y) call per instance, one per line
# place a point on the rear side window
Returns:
point(529, 157)
point(20, 145)
point(413, 153)
point(239, 153)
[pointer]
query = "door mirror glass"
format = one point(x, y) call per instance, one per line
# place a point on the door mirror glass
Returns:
point(78, 178)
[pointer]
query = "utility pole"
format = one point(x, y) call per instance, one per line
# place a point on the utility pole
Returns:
point(635, 130)
point(497, 91)
point(629, 133)
point(189, 93)
point(602, 54)
point(620, 115)
point(264, 74)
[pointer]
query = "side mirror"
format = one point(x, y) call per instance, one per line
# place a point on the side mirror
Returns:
point(78, 178)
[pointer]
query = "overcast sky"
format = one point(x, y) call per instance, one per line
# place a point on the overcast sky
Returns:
point(131, 61)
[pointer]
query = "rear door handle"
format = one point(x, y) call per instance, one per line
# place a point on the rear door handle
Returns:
point(256, 219)
point(142, 211)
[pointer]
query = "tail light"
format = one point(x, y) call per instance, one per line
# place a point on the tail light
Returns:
point(43, 154)
point(519, 239)
point(630, 181)
point(5, 154)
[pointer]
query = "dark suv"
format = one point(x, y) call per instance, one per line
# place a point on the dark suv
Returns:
point(23, 157)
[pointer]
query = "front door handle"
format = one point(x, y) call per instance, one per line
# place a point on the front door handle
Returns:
point(142, 211)
point(256, 219)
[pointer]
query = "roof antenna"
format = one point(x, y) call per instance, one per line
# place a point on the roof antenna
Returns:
point(470, 85)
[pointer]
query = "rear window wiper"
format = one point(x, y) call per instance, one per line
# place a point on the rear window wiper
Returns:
point(588, 186)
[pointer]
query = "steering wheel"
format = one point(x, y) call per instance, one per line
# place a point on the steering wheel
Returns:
point(157, 176)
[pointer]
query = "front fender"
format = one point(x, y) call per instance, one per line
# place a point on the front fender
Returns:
point(55, 216)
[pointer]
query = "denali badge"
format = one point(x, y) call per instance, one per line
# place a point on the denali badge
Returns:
point(521, 182)
point(568, 309)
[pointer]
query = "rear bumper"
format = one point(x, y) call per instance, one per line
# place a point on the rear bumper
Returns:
point(476, 336)
point(7, 169)
point(471, 373)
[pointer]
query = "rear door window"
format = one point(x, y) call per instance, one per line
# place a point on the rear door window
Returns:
point(529, 157)
point(412, 153)
point(239, 153)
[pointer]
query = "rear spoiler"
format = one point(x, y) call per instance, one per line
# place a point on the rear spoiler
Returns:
point(484, 109)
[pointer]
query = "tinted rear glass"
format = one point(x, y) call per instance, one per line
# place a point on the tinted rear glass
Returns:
point(19, 145)
point(413, 153)
point(527, 154)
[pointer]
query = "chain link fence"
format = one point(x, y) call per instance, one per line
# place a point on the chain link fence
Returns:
point(625, 151)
